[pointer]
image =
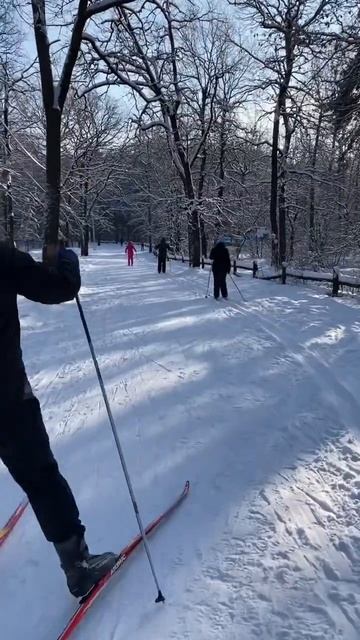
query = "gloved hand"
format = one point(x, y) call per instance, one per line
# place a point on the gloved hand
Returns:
point(68, 265)
point(68, 255)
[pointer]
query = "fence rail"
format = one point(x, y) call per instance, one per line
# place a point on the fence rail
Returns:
point(335, 279)
point(207, 263)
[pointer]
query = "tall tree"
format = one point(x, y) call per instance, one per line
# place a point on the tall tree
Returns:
point(55, 90)
point(290, 27)
point(10, 76)
point(150, 53)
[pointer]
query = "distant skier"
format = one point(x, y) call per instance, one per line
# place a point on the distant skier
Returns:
point(221, 266)
point(142, 246)
point(130, 250)
point(24, 443)
point(162, 249)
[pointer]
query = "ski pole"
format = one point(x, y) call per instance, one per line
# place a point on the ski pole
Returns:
point(160, 597)
point(208, 285)
point(237, 288)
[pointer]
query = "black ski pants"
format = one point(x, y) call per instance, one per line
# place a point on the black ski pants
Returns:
point(161, 264)
point(25, 450)
point(220, 284)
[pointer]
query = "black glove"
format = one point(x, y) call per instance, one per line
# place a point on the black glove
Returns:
point(68, 266)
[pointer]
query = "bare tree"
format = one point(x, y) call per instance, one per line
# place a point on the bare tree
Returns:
point(91, 127)
point(290, 26)
point(55, 91)
point(10, 76)
point(176, 83)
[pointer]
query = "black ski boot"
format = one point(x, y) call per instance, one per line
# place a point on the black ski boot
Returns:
point(82, 569)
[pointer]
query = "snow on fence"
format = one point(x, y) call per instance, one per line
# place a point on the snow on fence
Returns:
point(335, 278)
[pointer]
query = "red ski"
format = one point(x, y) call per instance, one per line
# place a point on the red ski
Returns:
point(7, 529)
point(85, 605)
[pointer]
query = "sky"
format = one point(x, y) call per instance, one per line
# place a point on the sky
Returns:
point(60, 37)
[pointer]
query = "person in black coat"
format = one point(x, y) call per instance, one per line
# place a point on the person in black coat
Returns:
point(221, 266)
point(162, 249)
point(24, 443)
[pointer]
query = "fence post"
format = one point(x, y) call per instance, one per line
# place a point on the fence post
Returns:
point(234, 267)
point(336, 283)
point(283, 273)
point(255, 268)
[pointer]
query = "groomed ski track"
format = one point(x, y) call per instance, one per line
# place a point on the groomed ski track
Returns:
point(257, 404)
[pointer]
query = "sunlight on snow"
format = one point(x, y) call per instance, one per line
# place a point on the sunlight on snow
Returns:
point(176, 323)
point(332, 336)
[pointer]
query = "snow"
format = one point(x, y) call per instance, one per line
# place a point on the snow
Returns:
point(256, 404)
point(104, 5)
point(307, 273)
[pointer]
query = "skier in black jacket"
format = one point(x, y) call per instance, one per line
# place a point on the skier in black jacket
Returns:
point(24, 443)
point(162, 249)
point(221, 266)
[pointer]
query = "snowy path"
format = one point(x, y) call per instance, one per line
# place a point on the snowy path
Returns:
point(256, 404)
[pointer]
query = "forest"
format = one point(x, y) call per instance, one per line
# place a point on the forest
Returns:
point(185, 119)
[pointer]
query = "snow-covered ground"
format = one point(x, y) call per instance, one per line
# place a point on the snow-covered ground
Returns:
point(257, 404)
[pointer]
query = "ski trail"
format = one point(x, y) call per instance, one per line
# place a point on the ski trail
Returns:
point(255, 403)
point(323, 374)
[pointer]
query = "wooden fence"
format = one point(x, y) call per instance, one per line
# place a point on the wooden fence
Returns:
point(336, 280)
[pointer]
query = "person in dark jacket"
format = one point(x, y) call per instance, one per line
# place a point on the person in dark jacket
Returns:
point(162, 249)
point(221, 266)
point(24, 443)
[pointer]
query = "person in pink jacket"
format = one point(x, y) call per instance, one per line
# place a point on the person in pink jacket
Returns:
point(130, 250)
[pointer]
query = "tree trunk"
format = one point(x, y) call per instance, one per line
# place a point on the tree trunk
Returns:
point(187, 180)
point(312, 238)
point(150, 228)
point(282, 222)
point(193, 224)
point(85, 245)
point(292, 241)
point(204, 244)
point(201, 186)
point(7, 196)
point(282, 180)
point(195, 238)
point(7, 206)
point(274, 184)
point(11, 231)
point(53, 175)
point(189, 237)
point(67, 234)
point(86, 234)
point(116, 228)
point(222, 155)
point(279, 248)
point(177, 235)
